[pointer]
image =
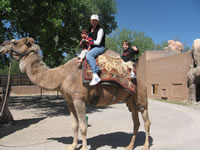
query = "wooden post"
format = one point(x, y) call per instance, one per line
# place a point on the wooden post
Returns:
point(5, 114)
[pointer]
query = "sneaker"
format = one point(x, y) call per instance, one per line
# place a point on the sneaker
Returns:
point(95, 80)
point(133, 76)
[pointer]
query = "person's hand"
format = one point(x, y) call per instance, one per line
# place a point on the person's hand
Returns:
point(134, 48)
point(82, 40)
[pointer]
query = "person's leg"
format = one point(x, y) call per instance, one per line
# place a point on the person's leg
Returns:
point(82, 55)
point(130, 66)
point(91, 59)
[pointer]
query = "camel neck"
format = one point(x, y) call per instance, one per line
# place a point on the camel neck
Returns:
point(39, 73)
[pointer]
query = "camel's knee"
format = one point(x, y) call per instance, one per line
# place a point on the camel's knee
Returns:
point(147, 125)
point(147, 122)
point(136, 127)
point(136, 121)
point(75, 127)
point(83, 129)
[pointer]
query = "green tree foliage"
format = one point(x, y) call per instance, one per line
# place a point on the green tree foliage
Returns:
point(14, 68)
point(139, 39)
point(115, 39)
point(54, 24)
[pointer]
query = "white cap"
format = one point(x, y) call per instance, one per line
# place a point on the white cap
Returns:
point(94, 17)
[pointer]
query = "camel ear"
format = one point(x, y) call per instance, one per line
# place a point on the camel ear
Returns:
point(29, 41)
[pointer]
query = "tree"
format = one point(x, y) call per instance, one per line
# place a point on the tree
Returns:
point(55, 25)
point(14, 68)
point(115, 39)
point(138, 39)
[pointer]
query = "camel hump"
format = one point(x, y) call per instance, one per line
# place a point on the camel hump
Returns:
point(111, 53)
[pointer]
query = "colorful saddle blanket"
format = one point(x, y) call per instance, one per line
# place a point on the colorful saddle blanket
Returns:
point(112, 68)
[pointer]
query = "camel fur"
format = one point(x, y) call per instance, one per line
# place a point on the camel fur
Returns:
point(67, 79)
point(194, 72)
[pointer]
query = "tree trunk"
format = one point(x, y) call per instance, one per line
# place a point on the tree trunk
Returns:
point(6, 116)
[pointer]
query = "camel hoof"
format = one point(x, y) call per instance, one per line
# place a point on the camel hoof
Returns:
point(84, 148)
point(70, 147)
point(129, 148)
point(145, 148)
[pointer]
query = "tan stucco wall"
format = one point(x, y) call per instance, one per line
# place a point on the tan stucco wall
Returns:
point(170, 73)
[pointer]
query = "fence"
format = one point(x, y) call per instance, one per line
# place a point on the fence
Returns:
point(17, 80)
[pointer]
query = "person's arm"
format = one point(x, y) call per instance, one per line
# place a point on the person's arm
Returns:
point(99, 37)
point(90, 41)
point(129, 54)
point(81, 42)
point(89, 47)
point(135, 49)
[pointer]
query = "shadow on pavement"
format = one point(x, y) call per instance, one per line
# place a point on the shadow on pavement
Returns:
point(48, 106)
point(114, 140)
point(18, 125)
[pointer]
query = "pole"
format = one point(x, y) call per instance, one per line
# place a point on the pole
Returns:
point(7, 88)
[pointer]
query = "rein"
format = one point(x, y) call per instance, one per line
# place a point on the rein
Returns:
point(7, 88)
point(20, 54)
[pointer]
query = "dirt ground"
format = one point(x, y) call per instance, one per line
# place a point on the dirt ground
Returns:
point(44, 124)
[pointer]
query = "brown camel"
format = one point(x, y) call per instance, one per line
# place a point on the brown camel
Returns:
point(67, 79)
point(194, 72)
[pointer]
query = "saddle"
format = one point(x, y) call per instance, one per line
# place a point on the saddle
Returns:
point(113, 69)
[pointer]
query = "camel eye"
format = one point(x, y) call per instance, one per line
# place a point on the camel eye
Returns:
point(14, 42)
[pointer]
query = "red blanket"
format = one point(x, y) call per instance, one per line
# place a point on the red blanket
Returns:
point(112, 69)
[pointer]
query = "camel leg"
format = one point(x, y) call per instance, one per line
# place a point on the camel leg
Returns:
point(136, 122)
point(147, 124)
point(81, 112)
point(75, 126)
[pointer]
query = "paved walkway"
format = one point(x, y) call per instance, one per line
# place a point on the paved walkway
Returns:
point(45, 125)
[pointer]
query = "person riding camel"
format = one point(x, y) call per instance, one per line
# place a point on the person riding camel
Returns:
point(128, 54)
point(96, 32)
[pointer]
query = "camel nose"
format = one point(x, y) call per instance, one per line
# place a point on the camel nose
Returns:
point(3, 47)
point(6, 43)
point(1, 50)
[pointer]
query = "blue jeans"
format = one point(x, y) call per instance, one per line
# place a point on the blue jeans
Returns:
point(91, 58)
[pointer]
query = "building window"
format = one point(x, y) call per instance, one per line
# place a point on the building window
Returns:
point(154, 89)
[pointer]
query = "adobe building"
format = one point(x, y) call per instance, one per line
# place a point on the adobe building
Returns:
point(165, 73)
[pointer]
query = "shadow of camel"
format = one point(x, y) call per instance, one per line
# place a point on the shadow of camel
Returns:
point(18, 125)
point(48, 106)
point(114, 140)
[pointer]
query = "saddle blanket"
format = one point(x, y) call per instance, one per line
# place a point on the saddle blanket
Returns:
point(112, 69)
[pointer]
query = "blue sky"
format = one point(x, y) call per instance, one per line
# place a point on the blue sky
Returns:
point(162, 20)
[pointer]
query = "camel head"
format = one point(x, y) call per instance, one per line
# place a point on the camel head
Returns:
point(196, 51)
point(19, 48)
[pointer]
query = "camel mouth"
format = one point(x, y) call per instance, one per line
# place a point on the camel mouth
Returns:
point(4, 50)
point(1, 49)
point(5, 47)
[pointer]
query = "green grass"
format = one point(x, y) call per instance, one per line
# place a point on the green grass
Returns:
point(182, 103)
point(175, 102)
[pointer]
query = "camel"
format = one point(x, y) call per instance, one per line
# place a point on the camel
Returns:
point(194, 72)
point(67, 79)
point(175, 46)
